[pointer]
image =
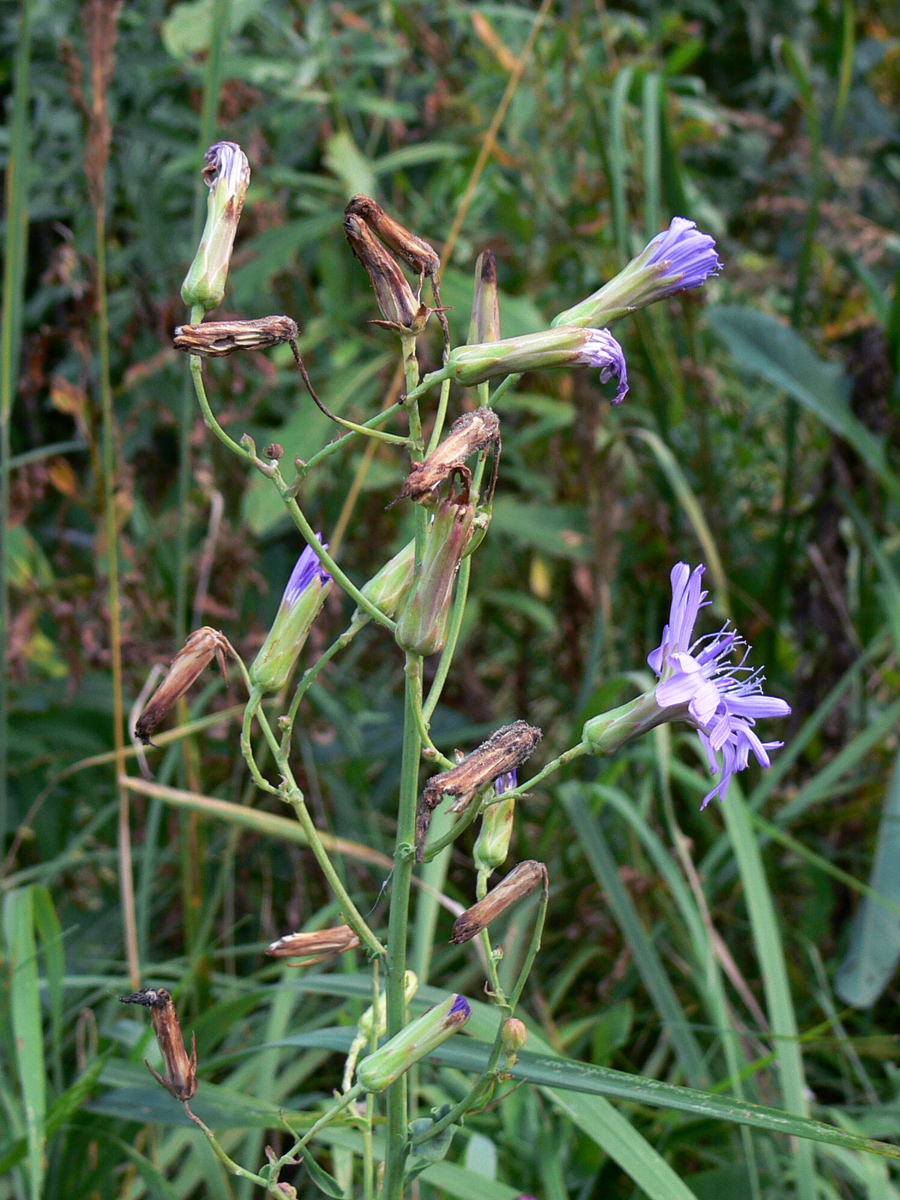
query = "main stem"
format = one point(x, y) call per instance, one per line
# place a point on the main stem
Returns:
point(397, 1103)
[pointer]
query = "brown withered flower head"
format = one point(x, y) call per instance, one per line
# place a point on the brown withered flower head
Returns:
point(507, 748)
point(520, 882)
point(415, 251)
point(191, 660)
point(215, 339)
point(181, 1071)
point(469, 434)
point(321, 943)
point(403, 312)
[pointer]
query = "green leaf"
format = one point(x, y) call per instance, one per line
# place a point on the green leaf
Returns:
point(559, 530)
point(874, 949)
point(60, 1111)
point(435, 1148)
point(345, 160)
point(187, 30)
point(324, 1182)
point(777, 353)
point(25, 1014)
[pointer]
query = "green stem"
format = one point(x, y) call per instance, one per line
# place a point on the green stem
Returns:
point(397, 1115)
point(455, 624)
point(554, 765)
point(228, 1163)
point(496, 988)
point(208, 415)
point(440, 417)
point(311, 675)
point(509, 382)
point(533, 947)
point(332, 447)
point(336, 1109)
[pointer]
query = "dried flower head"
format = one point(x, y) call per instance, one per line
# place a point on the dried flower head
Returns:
point(320, 943)
point(191, 660)
point(507, 747)
point(216, 339)
point(520, 882)
point(418, 255)
point(469, 434)
point(181, 1071)
point(403, 312)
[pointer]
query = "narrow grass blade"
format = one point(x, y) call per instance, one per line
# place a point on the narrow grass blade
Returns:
point(27, 1031)
point(651, 102)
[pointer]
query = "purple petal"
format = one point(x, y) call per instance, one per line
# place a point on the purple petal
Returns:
point(601, 350)
point(305, 571)
point(688, 255)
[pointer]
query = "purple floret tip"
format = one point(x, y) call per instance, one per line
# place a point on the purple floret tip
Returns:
point(602, 350)
point(688, 255)
point(506, 782)
point(461, 1007)
point(305, 571)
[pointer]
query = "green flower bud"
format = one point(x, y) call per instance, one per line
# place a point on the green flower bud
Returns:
point(422, 627)
point(304, 595)
point(485, 323)
point(369, 1024)
point(492, 844)
point(389, 588)
point(608, 732)
point(228, 174)
point(379, 1070)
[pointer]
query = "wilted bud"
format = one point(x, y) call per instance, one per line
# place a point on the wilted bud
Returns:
point(227, 172)
point(215, 339)
point(485, 323)
point(320, 942)
point(521, 881)
point(389, 588)
point(680, 257)
point(181, 1071)
point(492, 844)
point(414, 251)
point(304, 595)
point(507, 748)
point(422, 627)
point(402, 311)
point(471, 432)
point(371, 1025)
point(191, 660)
point(420, 1037)
point(567, 346)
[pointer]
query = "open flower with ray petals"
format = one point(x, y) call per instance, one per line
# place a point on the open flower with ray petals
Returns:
point(699, 683)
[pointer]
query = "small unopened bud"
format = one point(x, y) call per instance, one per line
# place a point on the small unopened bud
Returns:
point(274, 452)
point(470, 433)
point(507, 748)
point(414, 251)
point(389, 588)
point(485, 323)
point(227, 172)
point(319, 942)
point(181, 1071)
point(514, 1035)
point(422, 627)
point(191, 660)
point(379, 1070)
point(521, 881)
point(402, 311)
point(565, 346)
point(492, 844)
point(304, 595)
point(216, 339)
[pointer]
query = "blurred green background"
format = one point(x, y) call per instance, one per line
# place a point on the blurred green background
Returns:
point(759, 436)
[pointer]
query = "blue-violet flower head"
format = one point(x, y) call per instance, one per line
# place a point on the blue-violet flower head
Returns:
point(697, 678)
point(305, 571)
point(506, 782)
point(688, 255)
point(600, 349)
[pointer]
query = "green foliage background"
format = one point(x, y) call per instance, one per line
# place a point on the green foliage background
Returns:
point(759, 436)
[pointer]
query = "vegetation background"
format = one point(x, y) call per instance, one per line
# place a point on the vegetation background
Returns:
point(737, 950)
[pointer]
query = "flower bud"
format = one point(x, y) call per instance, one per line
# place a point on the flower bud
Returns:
point(567, 346)
point(422, 627)
point(215, 339)
point(191, 660)
point(319, 942)
point(415, 251)
point(402, 311)
point(492, 843)
point(304, 595)
point(227, 172)
point(680, 257)
point(389, 588)
point(520, 882)
point(379, 1070)
point(514, 1035)
point(181, 1071)
point(507, 748)
point(471, 432)
point(370, 1025)
point(485, 323)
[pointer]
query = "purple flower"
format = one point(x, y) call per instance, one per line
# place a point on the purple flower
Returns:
point(600, 349)
point(688, 255)
point(699, 684)
point(506, 782)
point(305, 571)
point(460, 1010)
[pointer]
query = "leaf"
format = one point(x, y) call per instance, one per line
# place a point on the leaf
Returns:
point(345, 160)
point(874, 949)
point(558, 530)
point(187, 30)
point(324, 1182)
point(61, 1110)
point(777, 353)
point(435, 1148)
